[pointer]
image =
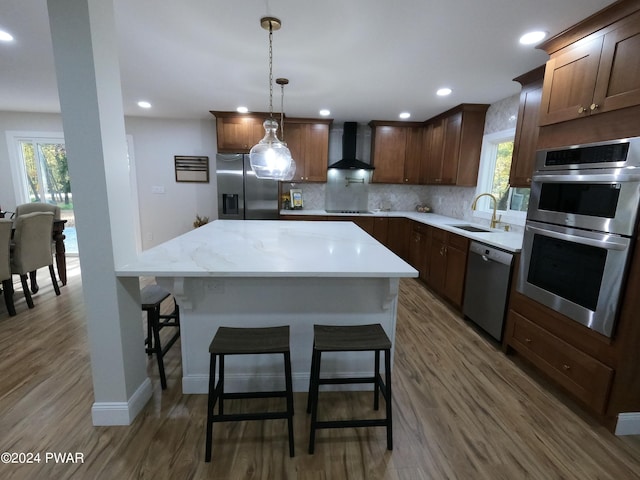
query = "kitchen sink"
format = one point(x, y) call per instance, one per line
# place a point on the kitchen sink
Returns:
point(471, 228)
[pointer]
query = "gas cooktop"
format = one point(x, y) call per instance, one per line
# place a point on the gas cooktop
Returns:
point(349, 211)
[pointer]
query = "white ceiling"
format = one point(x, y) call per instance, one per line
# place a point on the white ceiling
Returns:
point(362, 59)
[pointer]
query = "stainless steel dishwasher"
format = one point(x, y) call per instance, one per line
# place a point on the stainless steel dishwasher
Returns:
point(487, 287)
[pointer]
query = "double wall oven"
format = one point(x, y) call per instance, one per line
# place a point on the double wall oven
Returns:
point(580, 228)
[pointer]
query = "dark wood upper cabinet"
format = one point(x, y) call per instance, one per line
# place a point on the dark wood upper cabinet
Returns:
point(308, 141)
point(451, 146)
point(593, 72)
point(237, 133)
point(396, 151)
point(527, 128)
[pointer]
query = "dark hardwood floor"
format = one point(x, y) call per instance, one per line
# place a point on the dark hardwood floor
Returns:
point(462, 410)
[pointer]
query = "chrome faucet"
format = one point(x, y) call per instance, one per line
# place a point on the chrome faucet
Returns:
point(494, 219)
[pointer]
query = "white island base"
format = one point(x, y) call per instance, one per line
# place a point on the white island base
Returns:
point(259, 302)
point(271, 273)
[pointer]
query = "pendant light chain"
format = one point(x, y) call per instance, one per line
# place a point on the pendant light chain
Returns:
point(282, 111)
point(270, 69)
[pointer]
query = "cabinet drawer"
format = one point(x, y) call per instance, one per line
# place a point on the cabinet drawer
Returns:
point(438, 234)
point(459, 242)
point(420, 228)
point(585, 377)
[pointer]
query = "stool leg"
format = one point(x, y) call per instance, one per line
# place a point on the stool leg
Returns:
point(389, 401)
point(313, 393)
point(155, 327)
point(149, 334)
point(211, 403)
point(220, 387)
point(376, 385)
point(289, 387)
point(313, 359)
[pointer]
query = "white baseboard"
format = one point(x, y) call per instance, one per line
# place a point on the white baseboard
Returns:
point(106, 414)
point(628, 423)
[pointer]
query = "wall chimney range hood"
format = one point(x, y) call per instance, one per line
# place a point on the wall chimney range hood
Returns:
point(349, 160)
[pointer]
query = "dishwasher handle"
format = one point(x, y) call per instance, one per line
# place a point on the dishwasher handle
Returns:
point(491, 254)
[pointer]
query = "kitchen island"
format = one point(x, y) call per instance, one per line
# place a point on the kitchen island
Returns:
point(268, 273)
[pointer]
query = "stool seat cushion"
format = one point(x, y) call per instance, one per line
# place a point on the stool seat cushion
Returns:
point(240, 341)
point(350, 338)
point(152, 295)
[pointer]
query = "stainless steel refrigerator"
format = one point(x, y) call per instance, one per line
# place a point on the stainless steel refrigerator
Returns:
point(242, 196)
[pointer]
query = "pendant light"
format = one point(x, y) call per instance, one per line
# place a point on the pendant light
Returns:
point(270, 158)
point(288, 176)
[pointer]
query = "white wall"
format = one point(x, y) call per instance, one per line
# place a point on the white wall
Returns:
point(155, 142)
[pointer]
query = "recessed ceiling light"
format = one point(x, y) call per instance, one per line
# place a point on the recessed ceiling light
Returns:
point(443, 92)
point(5, 36)
point(324, 112)
point(532, 37)
point(143, 104)
point(242, 109)
point(404, 115)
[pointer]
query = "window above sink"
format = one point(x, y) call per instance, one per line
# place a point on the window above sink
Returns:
point(493, 177)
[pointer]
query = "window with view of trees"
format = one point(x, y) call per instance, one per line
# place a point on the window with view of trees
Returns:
point(47, 173)
point(41, 174)
point(495, 165)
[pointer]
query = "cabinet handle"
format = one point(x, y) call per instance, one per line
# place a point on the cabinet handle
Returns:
point(594, 106)
point(527, 340)
point(442, 251)
point(581, 109)
point(528, 180)
point(566, 367)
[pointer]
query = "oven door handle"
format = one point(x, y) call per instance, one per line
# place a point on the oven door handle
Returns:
point(577, 176)
point(612, 242)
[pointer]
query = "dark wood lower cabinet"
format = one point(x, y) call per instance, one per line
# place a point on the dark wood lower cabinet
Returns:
point(419, 249)
point(381, 229)
point(579, 373)
point(447, 264)
point(398, 236)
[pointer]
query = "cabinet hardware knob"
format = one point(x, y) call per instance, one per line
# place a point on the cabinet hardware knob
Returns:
point(594, 106)
point(582, 109)
point(527, 340)
point(528, 180)
point(566, 367)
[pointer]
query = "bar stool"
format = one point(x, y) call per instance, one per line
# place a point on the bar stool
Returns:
point(247, 341)
point(151, 297)
point(351, 338)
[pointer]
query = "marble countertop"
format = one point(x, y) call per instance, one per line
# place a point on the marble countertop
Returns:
point(270, 248)
point(509, 241)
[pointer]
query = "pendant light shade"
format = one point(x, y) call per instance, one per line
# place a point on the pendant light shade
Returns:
point(270, 158)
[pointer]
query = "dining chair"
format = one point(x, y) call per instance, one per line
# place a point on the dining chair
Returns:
point(6, 226)
point(33, 207)
point(32, 248)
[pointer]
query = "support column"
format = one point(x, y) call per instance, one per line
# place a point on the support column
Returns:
point(88, 73)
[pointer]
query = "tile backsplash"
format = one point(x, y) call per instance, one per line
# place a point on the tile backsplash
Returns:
point(451, 201)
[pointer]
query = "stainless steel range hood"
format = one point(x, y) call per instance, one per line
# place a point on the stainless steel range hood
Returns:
point(349, 160)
